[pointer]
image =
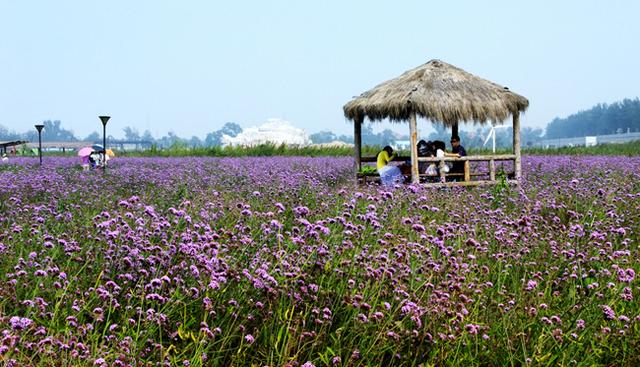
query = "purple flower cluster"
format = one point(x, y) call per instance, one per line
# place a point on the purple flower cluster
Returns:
point(20, 323)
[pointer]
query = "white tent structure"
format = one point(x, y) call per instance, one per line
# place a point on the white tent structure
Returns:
point(274, 131)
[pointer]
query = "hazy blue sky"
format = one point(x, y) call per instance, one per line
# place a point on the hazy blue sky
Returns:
point(190, 66)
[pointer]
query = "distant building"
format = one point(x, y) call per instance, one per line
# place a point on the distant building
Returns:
point(589, 140)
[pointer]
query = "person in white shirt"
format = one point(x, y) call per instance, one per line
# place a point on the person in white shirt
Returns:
point(441, 152)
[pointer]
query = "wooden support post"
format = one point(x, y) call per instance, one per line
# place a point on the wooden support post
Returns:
point(413, 130)
point(492, 170)
point(454, 130)
point(357, 142)
point(467, 171)
point(516, 144)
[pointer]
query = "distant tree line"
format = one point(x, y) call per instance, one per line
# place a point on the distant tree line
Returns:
point(53, 131)
point(603, 119)
point(618, 117)
point(385, 137)
point(172, 140)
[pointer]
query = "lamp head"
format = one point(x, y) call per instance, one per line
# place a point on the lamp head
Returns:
point(104, 119)
point(39, 127)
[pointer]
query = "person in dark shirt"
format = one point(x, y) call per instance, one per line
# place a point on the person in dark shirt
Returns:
point(458, 167)
point(425, 149)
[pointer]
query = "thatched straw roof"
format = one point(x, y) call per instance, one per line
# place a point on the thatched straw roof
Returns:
point(439, 92)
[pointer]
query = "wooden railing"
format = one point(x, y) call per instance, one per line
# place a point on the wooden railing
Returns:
point(467, 173)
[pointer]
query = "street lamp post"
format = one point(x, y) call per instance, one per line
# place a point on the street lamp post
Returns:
point(39, 128)
point(104, 120)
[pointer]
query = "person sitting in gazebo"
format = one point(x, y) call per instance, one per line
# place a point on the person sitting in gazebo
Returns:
point(456, 148)
point(389, 174)
point(441, 152)
point(425, 149)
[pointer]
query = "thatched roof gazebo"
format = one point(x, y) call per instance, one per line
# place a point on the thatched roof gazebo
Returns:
point(441, 93)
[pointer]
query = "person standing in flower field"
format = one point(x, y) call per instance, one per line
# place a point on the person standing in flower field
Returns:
point(94, 159)
point(86, 163)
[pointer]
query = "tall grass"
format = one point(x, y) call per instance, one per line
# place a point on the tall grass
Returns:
point(267, 150)
point(262, 150)
point(629, 149)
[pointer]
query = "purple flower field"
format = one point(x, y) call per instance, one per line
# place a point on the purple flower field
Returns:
point(286, 262)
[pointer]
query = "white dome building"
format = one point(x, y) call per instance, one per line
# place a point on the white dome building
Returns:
point(274, 131)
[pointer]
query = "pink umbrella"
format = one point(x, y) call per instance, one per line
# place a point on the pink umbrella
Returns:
point(84, 152)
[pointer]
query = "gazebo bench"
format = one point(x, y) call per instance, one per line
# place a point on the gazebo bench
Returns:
point(437, 180)
point(374, 177)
